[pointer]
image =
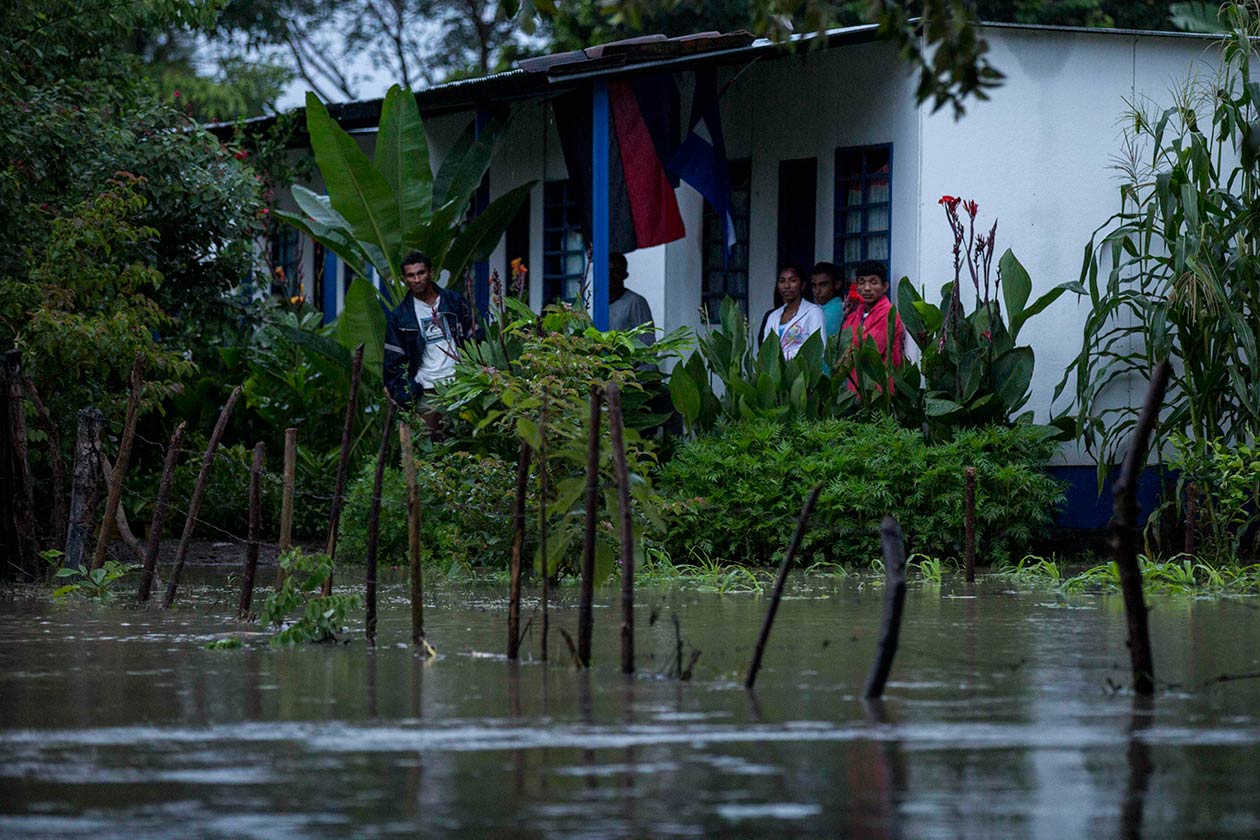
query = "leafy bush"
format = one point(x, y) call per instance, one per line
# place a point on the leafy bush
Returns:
point(1227, 481)
point(736, 494)
point(322, 615)
point(466, 512)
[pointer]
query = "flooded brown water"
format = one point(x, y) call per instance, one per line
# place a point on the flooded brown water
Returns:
point(1005, 717)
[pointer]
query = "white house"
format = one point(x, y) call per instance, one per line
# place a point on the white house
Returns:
point(831, 159)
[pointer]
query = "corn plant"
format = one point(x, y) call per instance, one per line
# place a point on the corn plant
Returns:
point(1175, 273)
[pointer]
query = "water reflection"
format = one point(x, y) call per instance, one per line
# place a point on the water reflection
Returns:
point(116, 721)
point(1141, 766)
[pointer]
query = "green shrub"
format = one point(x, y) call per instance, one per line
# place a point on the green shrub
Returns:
point(466, 512)
point(736, 494)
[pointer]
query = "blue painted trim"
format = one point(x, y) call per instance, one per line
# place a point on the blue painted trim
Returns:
point(599, 204)
point(1088, 508)
point(329, 304)
point(481, 200)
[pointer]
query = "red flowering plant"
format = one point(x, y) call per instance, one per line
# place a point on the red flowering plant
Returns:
point(973, 371)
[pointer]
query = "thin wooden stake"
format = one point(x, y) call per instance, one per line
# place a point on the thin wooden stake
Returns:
point(343, 466)
point(120, 464)
point(160, 508)
point(542, 526)
point(1192, 501)
point(615, 430)
point(894, 602)
point(374, 522)
point(587, 594)
point(255, 528)
point(518, 548)
point(199, 490)
point(413, 536)
point(1124, 539)
point(969, 512)
point(121, 525)
point(55, 461)
point(83, 495)
point(801, 524)
point(286, 501)
point(24, 495)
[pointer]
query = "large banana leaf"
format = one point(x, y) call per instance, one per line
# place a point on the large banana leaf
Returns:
point(479, 237)
point(402, 158)
point(356, 189)
point(346, 248)
point(362, 321)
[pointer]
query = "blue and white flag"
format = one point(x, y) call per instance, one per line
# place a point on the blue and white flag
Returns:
point(701, 158)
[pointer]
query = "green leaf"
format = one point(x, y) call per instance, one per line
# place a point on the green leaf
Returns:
point(684, 394)
point(1016, 286)
point(1012, 374)
point(362, 321)
point(527, 429)
point(941, 408)
point(482, 234)
point(402, 157)
point(356, 189)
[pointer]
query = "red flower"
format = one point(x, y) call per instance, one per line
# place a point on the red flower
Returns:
point(853, 293)
point(971, 207)
point(177, 94)
point(241, 154)
point(949, 202)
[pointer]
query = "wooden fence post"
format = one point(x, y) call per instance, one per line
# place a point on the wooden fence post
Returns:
point(969, 513)
point(587, 593)
point(24, 489)
point(108, 523)
point(160, 508)
point(374, 522)
point(55, 461)
point(413, 535)
point(1124, 538)
point(801, 524)
point(518, 548)
point(286, 502)
point(343, 465)
point(255, 528)
point(83, 495)
point(894, 601)
point(199, 490)
point(615, 429)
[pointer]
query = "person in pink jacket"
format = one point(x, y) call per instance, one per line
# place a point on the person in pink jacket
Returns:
point(867, 316)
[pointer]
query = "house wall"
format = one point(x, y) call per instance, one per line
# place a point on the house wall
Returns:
point(1040, 157)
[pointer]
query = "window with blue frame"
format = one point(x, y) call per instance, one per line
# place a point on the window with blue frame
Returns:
point(285, 254)
point(564, 246)
point(863, 206)
point(721, 279)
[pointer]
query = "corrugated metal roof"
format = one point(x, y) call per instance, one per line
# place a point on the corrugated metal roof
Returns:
point(631, 57)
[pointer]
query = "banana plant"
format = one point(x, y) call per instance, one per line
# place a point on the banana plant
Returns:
point(379, 209)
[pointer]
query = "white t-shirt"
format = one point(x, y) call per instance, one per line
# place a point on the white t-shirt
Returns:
point(792, 335)
point(438, 363)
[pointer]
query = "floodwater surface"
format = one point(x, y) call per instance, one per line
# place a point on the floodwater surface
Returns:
point(1007, 715)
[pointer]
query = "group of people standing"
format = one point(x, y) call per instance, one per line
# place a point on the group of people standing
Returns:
point(862, 309)
point(424, 332)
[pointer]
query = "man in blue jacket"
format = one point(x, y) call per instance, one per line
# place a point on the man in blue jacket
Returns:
point(423, 335)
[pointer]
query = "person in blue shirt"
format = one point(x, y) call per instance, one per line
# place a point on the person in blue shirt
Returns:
point(829, 292)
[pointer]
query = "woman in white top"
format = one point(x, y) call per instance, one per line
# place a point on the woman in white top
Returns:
point(797, 319)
